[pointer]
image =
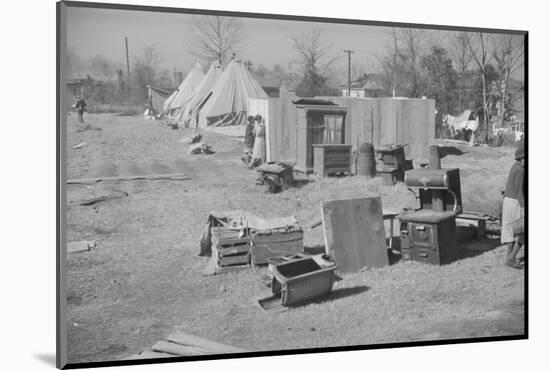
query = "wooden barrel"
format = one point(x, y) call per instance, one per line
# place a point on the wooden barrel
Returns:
point(366, 162)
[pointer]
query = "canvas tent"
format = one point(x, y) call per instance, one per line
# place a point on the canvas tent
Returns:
point(227, 102)
point(176, 102)
point(189, 113)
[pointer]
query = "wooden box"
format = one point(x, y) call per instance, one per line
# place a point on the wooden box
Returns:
point(275, 243)
point(300, 280)
point(331, 158)
point(229, 249)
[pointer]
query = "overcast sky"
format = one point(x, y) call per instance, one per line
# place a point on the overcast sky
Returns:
point(102, 31)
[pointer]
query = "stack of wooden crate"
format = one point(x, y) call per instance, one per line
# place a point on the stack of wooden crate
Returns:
point(230, 249)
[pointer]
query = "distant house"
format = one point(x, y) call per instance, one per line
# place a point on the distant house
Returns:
point(271, 86)
point(77, 86)
point(366, 86)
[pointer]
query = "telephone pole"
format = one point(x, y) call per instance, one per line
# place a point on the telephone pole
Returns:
point(127, 62)
point(349, 70)
point(248, 63)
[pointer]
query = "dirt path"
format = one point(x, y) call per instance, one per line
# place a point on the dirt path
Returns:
point(144, 279)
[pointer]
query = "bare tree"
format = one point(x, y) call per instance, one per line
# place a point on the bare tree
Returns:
point(509, 57)
point(411, 40)
point(479, 45)
point(216, 38)
point(146, 67)
point(460, 52)
point(102, 68)
point(401, 63)
point(314, 51)
point(462, 59)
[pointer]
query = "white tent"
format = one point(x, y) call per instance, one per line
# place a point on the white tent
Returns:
point(227, 102)
point(175, 103)
point(190, 111)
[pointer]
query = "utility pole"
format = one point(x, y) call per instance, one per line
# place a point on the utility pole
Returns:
point(349, 70)
point(248, 63)
point(127, 62)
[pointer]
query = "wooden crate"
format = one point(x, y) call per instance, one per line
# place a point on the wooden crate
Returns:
point(229, 249)
point(275, 243)
point(331, 158)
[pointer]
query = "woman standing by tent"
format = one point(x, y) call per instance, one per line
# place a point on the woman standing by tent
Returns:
point(249, 139)
point(258, 153)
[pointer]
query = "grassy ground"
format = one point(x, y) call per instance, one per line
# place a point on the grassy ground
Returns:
point(144, 279)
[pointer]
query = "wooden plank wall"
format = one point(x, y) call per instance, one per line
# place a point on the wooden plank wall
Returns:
point(282, 128)
point(392, 121)
point(380, 121)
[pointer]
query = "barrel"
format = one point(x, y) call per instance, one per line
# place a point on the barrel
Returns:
point(366, 162)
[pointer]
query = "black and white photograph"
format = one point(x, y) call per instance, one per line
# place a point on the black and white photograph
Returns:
point(237, 184)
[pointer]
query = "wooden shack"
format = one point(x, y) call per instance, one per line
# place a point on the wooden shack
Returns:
point(318, 122)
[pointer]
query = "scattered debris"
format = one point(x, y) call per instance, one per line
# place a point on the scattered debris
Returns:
point(200, 148)
point(192, 139)
point(81, 246)
point(169, 176)
point(78, 146)
point(91, 201)
point(173, 125)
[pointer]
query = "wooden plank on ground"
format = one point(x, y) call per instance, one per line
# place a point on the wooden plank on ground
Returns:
point(146, 355)
point(81, 246)
point(214, 347)
point(92, 201)
point(179, 349)
point(354, 233)
point(169, 176)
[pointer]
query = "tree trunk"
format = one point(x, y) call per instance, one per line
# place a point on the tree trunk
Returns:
point(485, 110)
point(503, 93)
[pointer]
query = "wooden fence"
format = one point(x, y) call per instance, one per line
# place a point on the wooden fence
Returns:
point(376, 120)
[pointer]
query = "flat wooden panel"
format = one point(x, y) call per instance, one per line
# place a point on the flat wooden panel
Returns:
point(354, 233)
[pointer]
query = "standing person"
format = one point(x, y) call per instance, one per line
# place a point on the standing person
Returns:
point(258, 153)
point(80, 107)
point(249, 140)
point(513, 208)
